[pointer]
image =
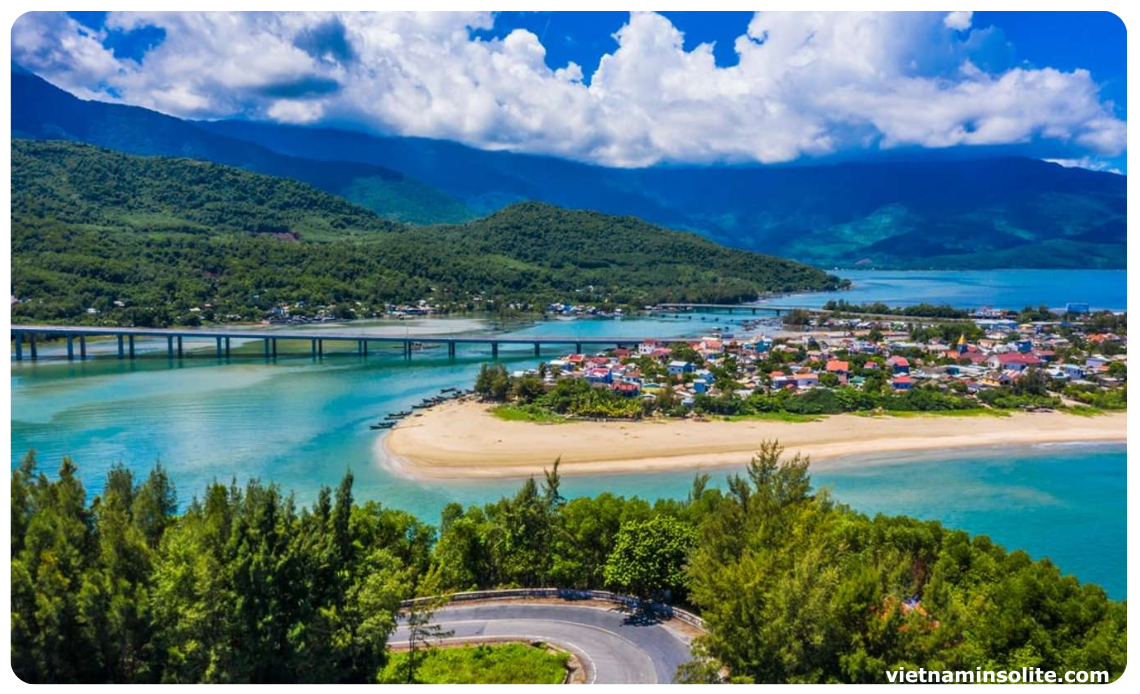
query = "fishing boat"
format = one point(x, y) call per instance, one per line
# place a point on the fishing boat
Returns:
point(383, 425)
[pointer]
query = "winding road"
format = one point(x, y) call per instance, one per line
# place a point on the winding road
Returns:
point(615, 646)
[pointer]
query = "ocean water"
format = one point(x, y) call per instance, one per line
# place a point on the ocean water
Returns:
point(302, 423)
point(1013, 289)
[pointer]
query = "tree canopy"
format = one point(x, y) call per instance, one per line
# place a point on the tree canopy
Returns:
point(163, 235)
point(241, 585)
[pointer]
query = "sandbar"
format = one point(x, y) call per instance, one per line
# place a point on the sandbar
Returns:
point(464, 440)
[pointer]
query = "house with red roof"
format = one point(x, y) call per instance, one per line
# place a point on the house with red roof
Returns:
point(627, 388)
point(838, 367)
point(900, 365)
point(711, 344)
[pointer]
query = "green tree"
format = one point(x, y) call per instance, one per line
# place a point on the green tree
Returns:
point(648, 558)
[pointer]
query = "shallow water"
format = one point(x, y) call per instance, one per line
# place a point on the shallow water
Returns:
point(301, 423)
point(1012, 289)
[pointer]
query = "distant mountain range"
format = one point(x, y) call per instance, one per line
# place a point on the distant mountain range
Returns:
point(42, 111)
point(996, 212)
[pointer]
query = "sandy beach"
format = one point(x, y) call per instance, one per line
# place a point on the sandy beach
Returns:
point(464, 440)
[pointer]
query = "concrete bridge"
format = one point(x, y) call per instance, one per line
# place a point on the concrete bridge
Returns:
point(76, 339)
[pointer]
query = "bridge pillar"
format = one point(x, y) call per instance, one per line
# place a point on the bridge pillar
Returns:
point(82, 347)
point(321, 348)
point(577, 348)
point(451, 349)
point(777, 313)
point(538, 349)
point(407, 349)
point(18, 338)
point(227, 348)
point(70, 348)
point(313, 348)
point(120, 337)
point(267, 348)
point(32, 345)
point(274, 347)
point(179, 346)
point(131, 345)
point(218, 347)
point(495, 349)
point(170, 347)
point(754, 312)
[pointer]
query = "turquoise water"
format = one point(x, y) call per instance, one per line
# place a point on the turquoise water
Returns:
point(1103, 289)
point(302, 423)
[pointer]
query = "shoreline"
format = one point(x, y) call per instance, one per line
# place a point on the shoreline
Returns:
point(463, 440)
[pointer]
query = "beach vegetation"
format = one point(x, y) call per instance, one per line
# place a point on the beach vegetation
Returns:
point(510, 412)
point(1084, 411)
point(1100, 398)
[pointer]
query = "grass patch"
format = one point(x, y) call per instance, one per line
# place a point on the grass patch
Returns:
point(972, 412)
point(1084, 410)
point(791, 417)
point(508, 663)
point(527, 413)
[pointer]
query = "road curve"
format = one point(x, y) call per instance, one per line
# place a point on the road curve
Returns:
point(616, 647)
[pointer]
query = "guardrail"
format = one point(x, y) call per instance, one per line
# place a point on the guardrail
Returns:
point(570, 594)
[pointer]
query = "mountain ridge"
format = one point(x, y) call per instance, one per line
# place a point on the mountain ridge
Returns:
point(42, 111)
point(944, 214)
point(836, 214)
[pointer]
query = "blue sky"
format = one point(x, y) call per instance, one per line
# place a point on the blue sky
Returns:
point(621, 89)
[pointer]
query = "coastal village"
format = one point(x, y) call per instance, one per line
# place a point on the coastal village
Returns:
point(991, 361)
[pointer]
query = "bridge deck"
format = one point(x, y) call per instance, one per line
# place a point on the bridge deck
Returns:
point(92, 331)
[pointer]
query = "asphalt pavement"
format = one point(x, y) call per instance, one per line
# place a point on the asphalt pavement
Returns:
point(616, 647)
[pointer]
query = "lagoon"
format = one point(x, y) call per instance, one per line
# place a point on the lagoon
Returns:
point(302, 423)
point(1010, 289)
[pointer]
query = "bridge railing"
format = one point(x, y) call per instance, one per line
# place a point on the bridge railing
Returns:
point(571, 594)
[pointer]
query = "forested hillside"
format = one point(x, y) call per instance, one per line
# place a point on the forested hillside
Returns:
point(241, 585)
point(161, 235)
point(933, 213)
point(97, 188)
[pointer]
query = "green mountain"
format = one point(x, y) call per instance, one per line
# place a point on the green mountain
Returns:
point(91, 227)
point(43, 111)
point(85, 185)
point(934, 213)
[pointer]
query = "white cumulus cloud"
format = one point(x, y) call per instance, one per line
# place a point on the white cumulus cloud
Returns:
point(959, 21)
point(806, 84)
